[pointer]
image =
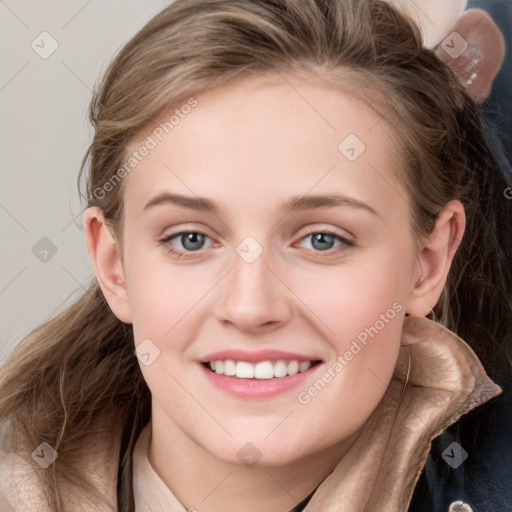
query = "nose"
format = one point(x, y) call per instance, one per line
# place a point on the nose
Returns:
point(255, 298)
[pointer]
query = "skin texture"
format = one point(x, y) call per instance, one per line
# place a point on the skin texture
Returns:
point(310, 298)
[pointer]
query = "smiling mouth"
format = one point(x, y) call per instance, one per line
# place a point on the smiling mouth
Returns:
point(261, 370)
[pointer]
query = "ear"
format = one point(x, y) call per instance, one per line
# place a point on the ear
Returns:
point(435, 259)
point(107, 262)
point(474, 48)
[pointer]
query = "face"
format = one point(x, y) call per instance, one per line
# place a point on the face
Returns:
point(295, 300)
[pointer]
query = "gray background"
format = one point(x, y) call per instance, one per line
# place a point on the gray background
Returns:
point(44, 134)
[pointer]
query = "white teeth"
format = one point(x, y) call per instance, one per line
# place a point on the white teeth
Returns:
point(261, 370)
point(264, 370)
point(280, 369)
point(293, 367)
point(244, 370)
point(229, 367)
point(304, 365)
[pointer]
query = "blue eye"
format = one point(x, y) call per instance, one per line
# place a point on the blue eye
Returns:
point(323, 240)
point(190, 240)
point(193, 241)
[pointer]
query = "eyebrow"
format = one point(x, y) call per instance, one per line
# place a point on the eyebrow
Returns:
point(295, 203)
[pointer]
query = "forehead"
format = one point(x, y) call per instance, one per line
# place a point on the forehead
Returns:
point(275, 135)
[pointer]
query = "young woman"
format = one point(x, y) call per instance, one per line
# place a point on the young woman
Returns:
point(303, 278)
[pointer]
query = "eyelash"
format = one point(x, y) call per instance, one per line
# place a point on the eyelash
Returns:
point(188, 254)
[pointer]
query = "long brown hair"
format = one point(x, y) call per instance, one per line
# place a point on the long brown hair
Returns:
point(79, 367)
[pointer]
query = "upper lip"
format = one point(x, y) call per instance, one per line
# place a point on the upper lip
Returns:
point(255, 356)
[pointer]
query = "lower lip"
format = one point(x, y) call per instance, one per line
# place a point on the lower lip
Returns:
point(257, 388)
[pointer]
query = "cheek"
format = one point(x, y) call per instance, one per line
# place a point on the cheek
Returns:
point(349, 298)
point(363, 310)
point(165, 301)
point(162, 295)
point(341, 399)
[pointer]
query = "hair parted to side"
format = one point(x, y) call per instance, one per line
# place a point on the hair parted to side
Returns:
point(78, 370)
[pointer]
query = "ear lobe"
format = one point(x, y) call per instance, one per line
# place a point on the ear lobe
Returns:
point(435, 259)
point(474, 48)
point(107, 263)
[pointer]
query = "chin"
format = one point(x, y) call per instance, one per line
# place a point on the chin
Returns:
point(277, 452)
